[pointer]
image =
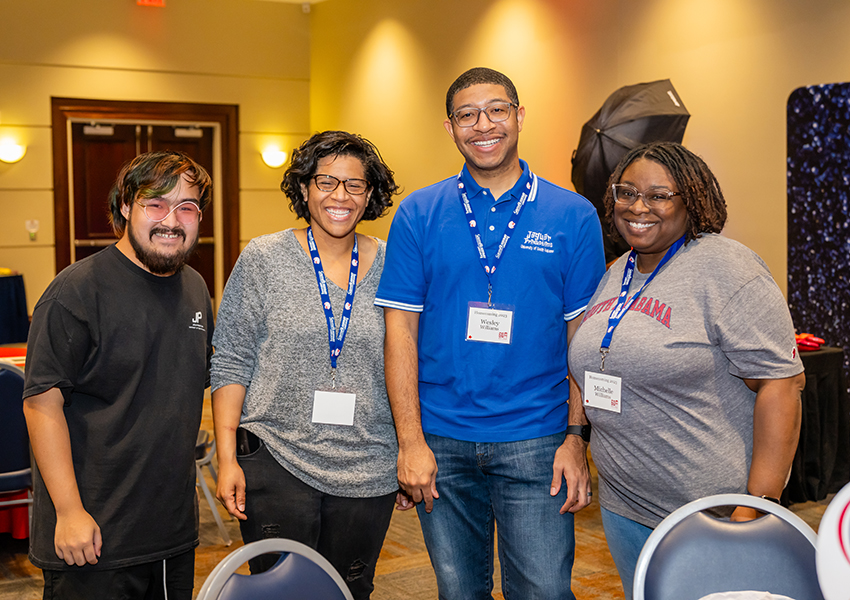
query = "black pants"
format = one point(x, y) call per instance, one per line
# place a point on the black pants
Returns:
point(349, 532)
point(139, 582)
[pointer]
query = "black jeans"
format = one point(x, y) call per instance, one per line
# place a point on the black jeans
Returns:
point(349, 532)
point(139, 582)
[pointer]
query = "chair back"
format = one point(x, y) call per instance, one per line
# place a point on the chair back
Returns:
point(301, 573)
point(834, 547)
point(15, 471)
point(692, 554)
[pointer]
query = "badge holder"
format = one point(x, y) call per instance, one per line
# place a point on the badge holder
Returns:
point(489, 323)
point(332, 407)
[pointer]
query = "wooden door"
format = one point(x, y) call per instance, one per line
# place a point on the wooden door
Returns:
point(93, 139)
point(98, 153)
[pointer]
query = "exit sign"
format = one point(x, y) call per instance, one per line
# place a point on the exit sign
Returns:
point(150, 2)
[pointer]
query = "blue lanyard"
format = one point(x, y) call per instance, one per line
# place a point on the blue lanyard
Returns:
point(623, 302)
point(530, 184)
point(335, 341)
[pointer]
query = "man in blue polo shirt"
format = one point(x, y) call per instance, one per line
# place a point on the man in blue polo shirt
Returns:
point(486, 278)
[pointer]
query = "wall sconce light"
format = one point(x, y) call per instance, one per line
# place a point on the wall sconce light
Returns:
point(10, 152)
point(274, 157)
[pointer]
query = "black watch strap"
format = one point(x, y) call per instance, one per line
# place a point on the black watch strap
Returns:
point(580, 430)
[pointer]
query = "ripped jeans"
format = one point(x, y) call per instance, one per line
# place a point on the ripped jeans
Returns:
point(349, 532)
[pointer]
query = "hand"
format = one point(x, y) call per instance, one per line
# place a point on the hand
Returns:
point(77, 539)
point(231, 489)
point(417, 474)
point(403, 501)
point(570, 464)
point(744, 513)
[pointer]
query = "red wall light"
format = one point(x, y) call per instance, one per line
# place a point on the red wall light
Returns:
point(150, 2)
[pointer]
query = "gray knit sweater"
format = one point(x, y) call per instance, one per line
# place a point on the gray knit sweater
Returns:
point(271, 337)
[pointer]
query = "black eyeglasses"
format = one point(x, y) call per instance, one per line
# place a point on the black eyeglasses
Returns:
point(328, 183)
point(627, 195)
point(496, 112)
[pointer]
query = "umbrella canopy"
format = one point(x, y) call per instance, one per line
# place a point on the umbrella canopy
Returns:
point(631, 116)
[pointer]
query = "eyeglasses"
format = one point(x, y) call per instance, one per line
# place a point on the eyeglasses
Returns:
point(627, 195)
point(187, 212)
point(496, 112)
point(328, 183)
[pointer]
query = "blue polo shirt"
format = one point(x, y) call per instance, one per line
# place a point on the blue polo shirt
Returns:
point(479, 391)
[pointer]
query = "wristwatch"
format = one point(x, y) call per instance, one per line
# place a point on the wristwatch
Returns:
point(580, 430)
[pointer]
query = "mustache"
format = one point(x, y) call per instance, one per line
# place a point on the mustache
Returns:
point(167, 230)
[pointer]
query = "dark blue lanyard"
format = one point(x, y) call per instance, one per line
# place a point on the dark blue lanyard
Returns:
point(335, 341)
point(624, 302)
point(529, 193)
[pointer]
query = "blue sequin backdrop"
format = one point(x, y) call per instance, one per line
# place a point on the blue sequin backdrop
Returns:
point(819, 213)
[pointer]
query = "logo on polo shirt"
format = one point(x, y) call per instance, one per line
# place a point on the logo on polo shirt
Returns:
point(539, 242)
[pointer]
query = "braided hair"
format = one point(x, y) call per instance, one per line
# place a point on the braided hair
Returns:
point(700, 191)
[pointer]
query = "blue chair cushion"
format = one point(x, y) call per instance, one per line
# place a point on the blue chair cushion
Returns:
point(293, 576)
point(703, 555)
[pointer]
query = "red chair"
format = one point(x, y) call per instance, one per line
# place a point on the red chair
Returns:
point(15, 471)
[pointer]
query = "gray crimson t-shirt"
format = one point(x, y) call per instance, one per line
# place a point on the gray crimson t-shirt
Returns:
point(712, 316)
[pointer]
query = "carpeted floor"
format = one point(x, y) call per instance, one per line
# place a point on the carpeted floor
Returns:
point(403, 572)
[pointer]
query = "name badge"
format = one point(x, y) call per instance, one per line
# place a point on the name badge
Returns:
point(602, 391)
point(484, 324)
point(333, 408)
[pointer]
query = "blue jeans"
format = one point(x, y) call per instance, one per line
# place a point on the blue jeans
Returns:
point(625, 541)
point(506, 483)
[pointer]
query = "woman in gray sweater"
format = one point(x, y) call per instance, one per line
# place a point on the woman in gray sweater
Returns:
point(305, 438)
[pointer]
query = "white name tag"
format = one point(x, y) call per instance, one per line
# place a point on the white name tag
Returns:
point(602, 391)
point(493, 325)
point(333, 408)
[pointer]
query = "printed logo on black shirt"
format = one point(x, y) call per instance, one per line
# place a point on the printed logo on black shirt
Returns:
point(197, 322)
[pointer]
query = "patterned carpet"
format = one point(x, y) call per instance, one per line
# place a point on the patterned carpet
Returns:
point(403, 572)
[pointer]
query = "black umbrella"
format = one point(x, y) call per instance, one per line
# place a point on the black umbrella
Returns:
point(631, 116)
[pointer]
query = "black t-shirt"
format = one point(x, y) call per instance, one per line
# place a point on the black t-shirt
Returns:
point(130, 352)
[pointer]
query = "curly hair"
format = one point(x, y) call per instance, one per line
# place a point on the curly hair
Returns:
point(305, 161)
point(476, 76)
point(153, 175)
point(700, 191)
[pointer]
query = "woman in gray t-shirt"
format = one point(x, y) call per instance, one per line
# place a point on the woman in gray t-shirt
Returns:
point(696, 391)
point(305, 438)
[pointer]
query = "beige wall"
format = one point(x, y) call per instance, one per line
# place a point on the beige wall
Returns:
point(253, 54)
point(381, 68)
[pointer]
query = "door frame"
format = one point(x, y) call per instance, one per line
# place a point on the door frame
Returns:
point(226, 116)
